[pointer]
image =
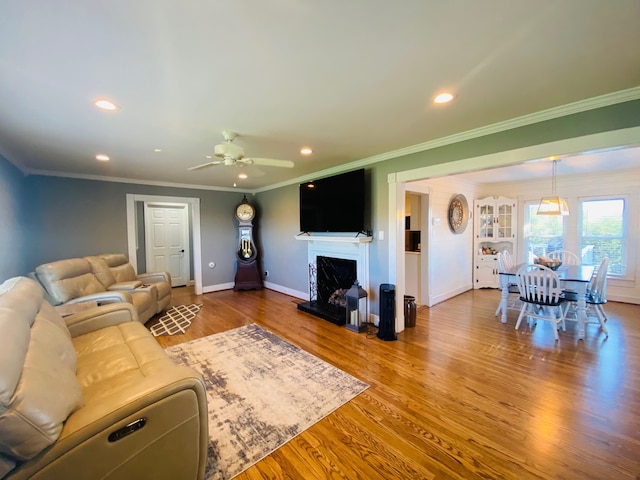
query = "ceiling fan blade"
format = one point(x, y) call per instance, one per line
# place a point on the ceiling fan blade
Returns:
point(203, 165)
point(272, 162)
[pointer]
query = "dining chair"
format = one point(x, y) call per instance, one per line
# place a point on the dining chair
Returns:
point(565, 256)
point(596, 298)
point(507, 259)
point(505, 263)
point(541, 296)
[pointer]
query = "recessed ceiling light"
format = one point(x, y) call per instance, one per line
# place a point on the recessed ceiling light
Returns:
point(208, 156)
point(444, 97)
point(306, 151)
point(102, 157)
point(242, 175)
point(157, 150)
point(105, 104)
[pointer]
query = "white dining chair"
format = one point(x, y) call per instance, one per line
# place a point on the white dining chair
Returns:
point(596, 298)
point(505, 263)
point(541, 296)
point(507, 259)
point(565, 256)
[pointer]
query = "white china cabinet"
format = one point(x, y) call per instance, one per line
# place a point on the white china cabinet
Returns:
point(495, 228)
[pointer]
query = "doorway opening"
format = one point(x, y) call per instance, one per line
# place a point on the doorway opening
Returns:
point(137, 232)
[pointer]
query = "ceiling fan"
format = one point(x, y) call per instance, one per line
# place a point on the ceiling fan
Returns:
point(231, 154)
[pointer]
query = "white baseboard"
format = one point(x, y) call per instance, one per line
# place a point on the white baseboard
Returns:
point(622, 298)
point(286, 291)
point(435, 299)
point(216, 288)
point(269, 285)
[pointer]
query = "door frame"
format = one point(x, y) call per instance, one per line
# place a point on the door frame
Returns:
point(194, 226)
point(397, 184)
point(186, 230)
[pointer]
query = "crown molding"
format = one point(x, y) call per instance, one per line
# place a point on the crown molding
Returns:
point(544, 115)
point(49, 173)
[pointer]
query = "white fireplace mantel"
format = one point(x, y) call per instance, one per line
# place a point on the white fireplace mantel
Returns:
point(350, 248)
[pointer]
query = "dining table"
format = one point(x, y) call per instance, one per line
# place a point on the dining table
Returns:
point(573, 278)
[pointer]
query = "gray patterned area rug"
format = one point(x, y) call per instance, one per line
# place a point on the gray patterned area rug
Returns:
point(262, 392)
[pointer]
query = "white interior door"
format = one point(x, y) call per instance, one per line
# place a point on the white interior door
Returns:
point(167, 240)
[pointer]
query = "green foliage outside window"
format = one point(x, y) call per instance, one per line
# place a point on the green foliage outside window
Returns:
point(602, 233)
point(601, 229)
point(545, 232)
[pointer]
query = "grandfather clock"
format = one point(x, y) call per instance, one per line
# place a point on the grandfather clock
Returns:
point(247, 272)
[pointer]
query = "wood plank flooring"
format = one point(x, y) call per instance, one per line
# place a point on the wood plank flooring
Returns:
point(460, 396)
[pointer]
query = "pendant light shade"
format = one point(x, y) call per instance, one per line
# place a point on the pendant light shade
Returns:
point(553, 205)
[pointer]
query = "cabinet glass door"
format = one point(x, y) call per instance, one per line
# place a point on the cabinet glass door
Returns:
point(486, 221)
point(505, 221)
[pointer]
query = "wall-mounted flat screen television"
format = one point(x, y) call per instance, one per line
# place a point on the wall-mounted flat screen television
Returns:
point(334, 204)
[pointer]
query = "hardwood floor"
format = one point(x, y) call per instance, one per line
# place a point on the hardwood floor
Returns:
point(461, 395)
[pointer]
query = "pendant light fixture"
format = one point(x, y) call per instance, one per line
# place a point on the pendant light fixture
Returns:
point(553, 205)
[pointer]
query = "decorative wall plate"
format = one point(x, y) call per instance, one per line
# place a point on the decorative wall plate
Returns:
point(458, 214)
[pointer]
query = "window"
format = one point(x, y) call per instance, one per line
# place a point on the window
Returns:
point(602, 233)
point(543, 233)
point(600, 226)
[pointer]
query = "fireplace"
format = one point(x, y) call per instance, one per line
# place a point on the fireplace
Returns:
point(329, 280)
point(335, 263)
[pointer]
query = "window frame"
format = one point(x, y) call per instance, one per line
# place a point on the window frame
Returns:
point(529, 206)
point(572, 230)
point(626, 253)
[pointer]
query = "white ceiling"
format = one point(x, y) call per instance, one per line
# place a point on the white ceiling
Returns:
point(588, 162)
point(352, 79)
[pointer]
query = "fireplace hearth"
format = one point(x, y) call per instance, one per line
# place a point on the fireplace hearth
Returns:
point(329, 280)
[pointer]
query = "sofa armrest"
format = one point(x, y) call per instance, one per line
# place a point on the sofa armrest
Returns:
point(154, 277)
point(171, 444)
point(100, 317)
point(105, 298)
point(132, 285)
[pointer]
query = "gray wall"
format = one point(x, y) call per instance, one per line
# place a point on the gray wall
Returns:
point(277, 224)
point(279, 235)
point(12, 247)
point(73, 217)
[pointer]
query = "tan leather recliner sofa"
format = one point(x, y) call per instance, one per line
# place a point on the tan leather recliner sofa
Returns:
point(92, 396)
point(119, 271)
point(77, 280)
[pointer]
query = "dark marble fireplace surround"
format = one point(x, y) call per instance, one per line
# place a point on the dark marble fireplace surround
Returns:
point(334, 276)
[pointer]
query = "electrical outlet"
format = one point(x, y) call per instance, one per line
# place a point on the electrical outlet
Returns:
point(266, 273)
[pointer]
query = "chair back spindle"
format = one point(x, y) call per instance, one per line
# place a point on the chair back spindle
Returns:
point(598, 288)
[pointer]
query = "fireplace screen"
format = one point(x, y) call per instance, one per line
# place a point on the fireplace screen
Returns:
point(329, 280)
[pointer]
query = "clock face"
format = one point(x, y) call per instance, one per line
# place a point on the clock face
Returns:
point(245, 212)
point(458, 215)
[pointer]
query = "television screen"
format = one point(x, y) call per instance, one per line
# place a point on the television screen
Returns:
point(333, 204)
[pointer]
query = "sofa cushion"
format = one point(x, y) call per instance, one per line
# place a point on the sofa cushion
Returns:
point(120, 267)
point(38, 384)
point(68, 279)
point(113, 359)
point(101, 270)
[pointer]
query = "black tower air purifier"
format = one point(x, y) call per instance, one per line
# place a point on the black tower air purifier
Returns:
point(387, 325)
